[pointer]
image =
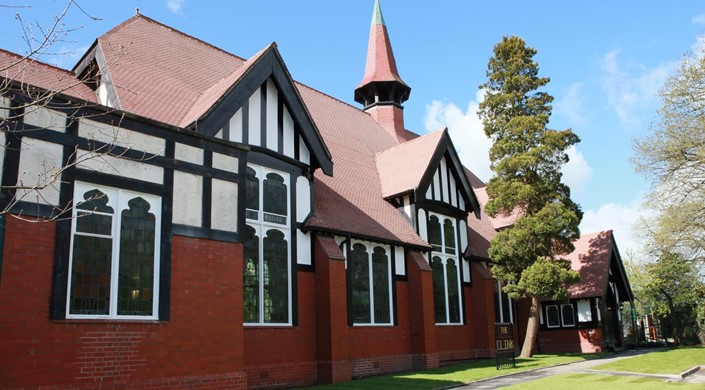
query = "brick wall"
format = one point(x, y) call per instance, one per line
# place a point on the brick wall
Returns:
point(201, 346)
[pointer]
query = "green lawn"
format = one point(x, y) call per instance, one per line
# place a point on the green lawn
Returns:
point(580, 381)
point(671, 361)
point(453, 375)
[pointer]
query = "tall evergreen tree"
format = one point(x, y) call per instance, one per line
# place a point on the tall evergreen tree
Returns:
point(526, 158)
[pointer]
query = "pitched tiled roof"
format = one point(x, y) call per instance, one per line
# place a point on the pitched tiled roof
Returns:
point(351, 201)
point(402, 167)
point(35, 73)
point(170, 81)
point(591, 257)
point(211, 96)
point(501, 220)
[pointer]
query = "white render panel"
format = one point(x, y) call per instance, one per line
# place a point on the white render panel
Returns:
point(304, 156)
point(461, 203)
point(408, 207)
point(133, 169)
point(188, 195)
point(272, 116)
point(453, 191)
point(225, 162)
point(437, 185)
point(464, 236)
point(466, 271)
point(118, 136)
point(188, 153)
point(40, 166)
point(339, 240)
point(4, 107)
point(45, 118)
point(254, 123)
point(428, 193)
point(236, 127)
point(289, 133)
point(303, 248)
point(224, 206)
point(422, 225)
point(399, 261)
point(219, 134)
point(303, 198)
point(444, 180)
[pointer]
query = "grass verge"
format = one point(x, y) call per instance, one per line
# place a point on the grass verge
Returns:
point(670, 361)
point(597, 381)
point(454, 374)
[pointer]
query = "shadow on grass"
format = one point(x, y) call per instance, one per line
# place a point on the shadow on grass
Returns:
point(455, 374)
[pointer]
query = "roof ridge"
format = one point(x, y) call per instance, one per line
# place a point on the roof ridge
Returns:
point(148, 19)
point(419, 138)
point(330, 96)
point(38, 62)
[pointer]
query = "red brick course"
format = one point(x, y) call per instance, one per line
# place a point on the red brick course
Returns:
point(199, 347)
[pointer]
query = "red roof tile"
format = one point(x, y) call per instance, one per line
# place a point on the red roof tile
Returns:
point(401, 167)
point(155, 80)
point(35, 73)
point(351, 201)
point(591, 257)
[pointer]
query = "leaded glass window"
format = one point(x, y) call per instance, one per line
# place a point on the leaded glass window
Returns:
point(445, 265)
point(568, 315)
point(370, 284)
point(439, 289)
point(552, 316)
point(114, 259)
point(502, 306)
point(267, 264)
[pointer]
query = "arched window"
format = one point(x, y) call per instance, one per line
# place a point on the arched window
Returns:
point(445, 265)
point(114, 260)
point(136, 284)
point(267, 263)
point(370, 284)
point(360, 272)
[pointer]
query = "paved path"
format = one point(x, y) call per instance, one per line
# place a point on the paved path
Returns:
point(581, 366)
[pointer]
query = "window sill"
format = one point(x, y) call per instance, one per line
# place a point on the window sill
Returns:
point(268, 326)
point(109, 321)
point(373, 326)
point(437, 324)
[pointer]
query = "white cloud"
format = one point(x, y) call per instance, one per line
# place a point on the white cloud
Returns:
point(175, 5)
point(620, 219)
point(632, 91)
point(466, 130)
point(576, 172)
point(700, 19)
point(570, 105)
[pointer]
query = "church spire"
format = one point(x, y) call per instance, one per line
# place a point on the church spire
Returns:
point(381, 84)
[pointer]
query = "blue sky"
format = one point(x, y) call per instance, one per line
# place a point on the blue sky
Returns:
point(606, 61)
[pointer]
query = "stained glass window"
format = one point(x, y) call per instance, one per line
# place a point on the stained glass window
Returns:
point(371, 284)
point(447, 293)
point(380, 278)
point(111, 278)
point(360, 271)
point(267, 284)
point(439, 290)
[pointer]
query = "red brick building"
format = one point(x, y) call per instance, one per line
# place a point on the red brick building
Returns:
point(217, 224)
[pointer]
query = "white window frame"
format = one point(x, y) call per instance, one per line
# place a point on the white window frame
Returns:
point(261, 228)
point(500, 293)
point(117, 199)
point(369, 247)
point(584, 310)
point(444, 260)
point(558, 318)
point(572, 308)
